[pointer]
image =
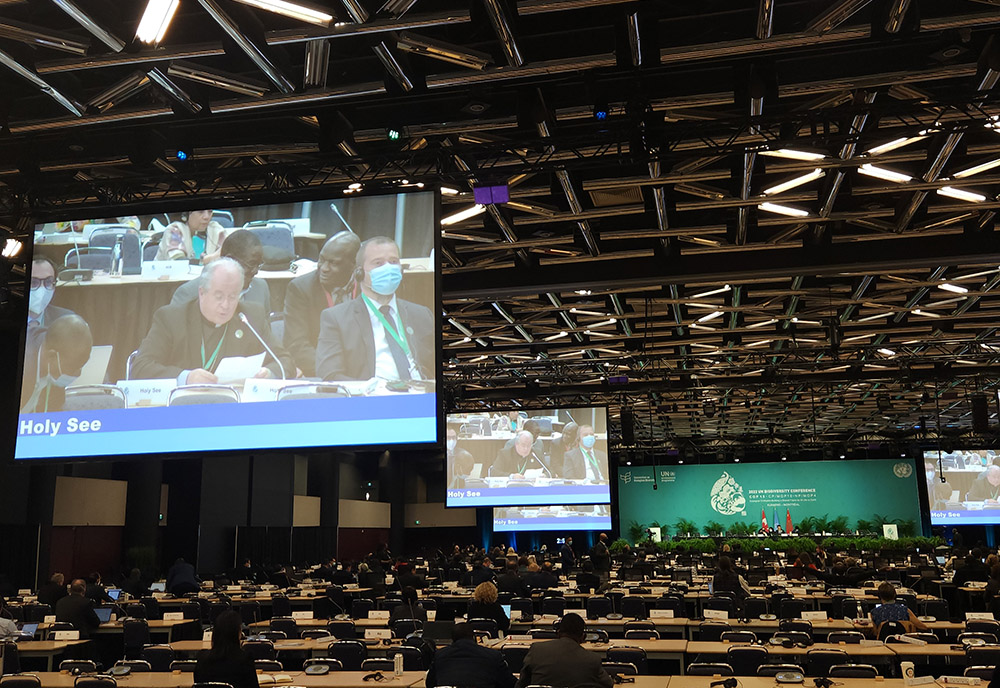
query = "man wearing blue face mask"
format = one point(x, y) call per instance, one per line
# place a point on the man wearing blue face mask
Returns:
point(586, 462)
point(43, 287)
point(376, 334)
point(63, 349)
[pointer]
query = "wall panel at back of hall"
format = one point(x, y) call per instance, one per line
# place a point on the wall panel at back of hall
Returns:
point(357, 543)
point(78, 551)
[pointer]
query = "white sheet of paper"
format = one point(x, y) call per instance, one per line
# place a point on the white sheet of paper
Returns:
point(233, 368)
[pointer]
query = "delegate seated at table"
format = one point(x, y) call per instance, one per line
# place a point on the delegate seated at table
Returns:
point(187, 342)
point(245, 248)
point(516, 460)
point(585, 462)
point(987, 488)
point(52, 362)
point(376, 334)
point(307, 296)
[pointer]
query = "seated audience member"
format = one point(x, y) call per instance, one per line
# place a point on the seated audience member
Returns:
point(409, 609)
point(41, 313)
point(519, 458)
point(458, 461)
point(585, 462)
point(841, 575)
point(542, 579)
point(467, 663)
point(307, 296)
point(406, 577)
point(993, 585)
point(974, 569)
point(986, 488)
point(195, 235)
point(938, 492)
point(8, 628)
point(726, 579)
point(133, 585)
point(566, 442)
point(96, 591)
point(587, 580)
point(563, 663)
point(531, 425)
point(377, 334)
point(484, 605)
point(483, 572)
point(181, 579)
point(78, 609)
point(188, 341)
point(63, 348)
point(226, 662)
point(53, 590)
point(245, 248)
point(891, 610)
point(510, 581)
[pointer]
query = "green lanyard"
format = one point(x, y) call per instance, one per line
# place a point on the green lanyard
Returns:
point(592, 460)
point(207, 365)
point(398, 336)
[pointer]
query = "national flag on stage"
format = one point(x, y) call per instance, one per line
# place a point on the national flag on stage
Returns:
point(774, 521)
point(763, 520)
point(788, 521)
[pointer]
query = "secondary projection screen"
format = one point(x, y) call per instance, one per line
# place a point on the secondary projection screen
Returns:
point(560, 518)
point(519, 458)
point(265, 350)
point(970, 493)
point(868, 492)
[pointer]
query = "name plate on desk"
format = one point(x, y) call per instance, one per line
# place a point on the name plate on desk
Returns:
point(49, 618)
point(350, 586)
point(147, 392)
point(797, 591)
point(263, 389)
point(159, 595)
point(515, 615)
point(855, 592)
point(978, 616)
point(156, 269)
point(378, 634)
point(206, 637)
point(868, 642)
point(814, 616)
point(716, 614)
point(432, 614)
point(173, 616)
point(66, 635)
point(24, 592)
point(450, 585)
point(389, 580)
point(661, 613)
point(302, 615)
point(379, 615)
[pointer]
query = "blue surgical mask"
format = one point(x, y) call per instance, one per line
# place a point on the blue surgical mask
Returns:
point(386, 278)
point(39, 299)
point(61, 380)
point(588, 441)
point(451, 445)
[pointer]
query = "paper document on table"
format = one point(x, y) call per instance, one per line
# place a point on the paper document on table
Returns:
point(233, 368)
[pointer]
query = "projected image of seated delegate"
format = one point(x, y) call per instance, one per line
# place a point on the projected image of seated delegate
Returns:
point(290, 325)
point(535, 457)
point(963, 486)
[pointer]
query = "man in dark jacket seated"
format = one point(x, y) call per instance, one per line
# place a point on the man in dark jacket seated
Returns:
point(465, 663)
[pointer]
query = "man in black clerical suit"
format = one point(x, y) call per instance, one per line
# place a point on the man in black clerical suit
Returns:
point(466, 663)
point(188, 341)
point(519, 458)
point(585, 462)
point(309, 295)
point(376, 334)
point(78, 610)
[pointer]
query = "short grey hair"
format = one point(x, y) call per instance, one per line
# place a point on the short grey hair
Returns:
point(209, 271)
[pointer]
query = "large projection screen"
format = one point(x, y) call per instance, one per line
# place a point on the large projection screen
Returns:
point(528, 458)
point(558, 518)
point(177, 362)
point(970, 492)
point(864, 490)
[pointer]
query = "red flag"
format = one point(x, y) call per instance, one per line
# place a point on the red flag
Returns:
point(763, 520)
point(788, 521)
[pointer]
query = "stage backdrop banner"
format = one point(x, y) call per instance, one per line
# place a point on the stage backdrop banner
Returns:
point(728, 493)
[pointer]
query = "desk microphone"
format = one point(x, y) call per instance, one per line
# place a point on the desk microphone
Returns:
point(541, 463)
point(343, 615)
point(246, 321)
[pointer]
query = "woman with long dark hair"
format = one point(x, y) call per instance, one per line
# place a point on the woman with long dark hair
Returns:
point(226, 662)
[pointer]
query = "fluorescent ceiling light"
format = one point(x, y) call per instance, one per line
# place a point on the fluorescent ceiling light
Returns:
point(556, 336)
point(783, 210)
point(882, 173)
point(926, 314)
point(713, 292)
point(11, 248)
point(155, 20)
point(887, 352)
point(976, 169)
point(711, 316)
point(961, 194)
point(463, 215)
point(953, 288)
point(696, 326)
point(763, 323)
point(793, 154)
point(760, 342)
point(893, 145)
point(794, 182)
point(292, 9)
point(448, 191)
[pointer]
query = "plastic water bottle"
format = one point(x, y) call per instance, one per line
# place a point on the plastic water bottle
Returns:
point(116, 259)
point(397, 664)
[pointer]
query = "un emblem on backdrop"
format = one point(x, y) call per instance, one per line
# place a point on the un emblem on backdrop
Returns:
point(727, 496)
point(902, 469)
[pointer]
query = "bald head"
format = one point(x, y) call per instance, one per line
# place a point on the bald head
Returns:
point(219, 291)
point(993, 475)
point(522, 445)
point(67, 345)
point(336, 260)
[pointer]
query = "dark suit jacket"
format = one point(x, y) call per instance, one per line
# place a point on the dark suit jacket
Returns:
point(174, 342)
point(460, 465)
point(407, 611)
point(51, 593)
point(346, 346)
point(238, 671)
point(567, 556)
point(480, 610)
point(511, 582)
point(575, 467)
point(464, 663)
point(78, 611)
point(305, 301)
point(562, 663)
point(508, 462)
point(481, 574)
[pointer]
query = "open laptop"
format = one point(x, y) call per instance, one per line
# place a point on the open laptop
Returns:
point(941, 560)
point(96, 368)
point(114, 593)
point(506, 609)
point(158, 587)
point(103, 613)
point(28, 631)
